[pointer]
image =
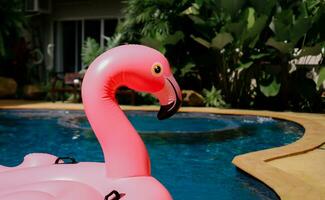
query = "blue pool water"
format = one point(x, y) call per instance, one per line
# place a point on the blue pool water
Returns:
point(191, 154)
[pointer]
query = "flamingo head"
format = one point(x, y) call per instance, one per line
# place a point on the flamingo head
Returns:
point(146, 70)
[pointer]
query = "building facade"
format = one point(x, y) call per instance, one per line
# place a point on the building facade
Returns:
point(62, 26)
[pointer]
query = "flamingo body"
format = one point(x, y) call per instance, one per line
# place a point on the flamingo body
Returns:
point(126, 170)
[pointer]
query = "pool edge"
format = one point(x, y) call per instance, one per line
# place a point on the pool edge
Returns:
point(286, 185)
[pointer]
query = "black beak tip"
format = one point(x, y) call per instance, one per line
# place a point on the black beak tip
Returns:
point(169, 110)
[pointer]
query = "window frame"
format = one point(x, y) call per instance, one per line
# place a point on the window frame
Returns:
point(58, 38)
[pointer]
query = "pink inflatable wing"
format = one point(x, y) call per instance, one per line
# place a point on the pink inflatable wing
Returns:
point(126, 172)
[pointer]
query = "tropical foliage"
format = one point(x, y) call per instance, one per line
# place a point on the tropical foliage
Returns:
point(91, 49)
point(12, 21)
point(213, 98)
point(241, 48)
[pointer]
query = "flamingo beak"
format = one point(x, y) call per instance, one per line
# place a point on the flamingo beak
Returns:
point(170, 98)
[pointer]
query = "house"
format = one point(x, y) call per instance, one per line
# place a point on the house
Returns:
point(61, 26)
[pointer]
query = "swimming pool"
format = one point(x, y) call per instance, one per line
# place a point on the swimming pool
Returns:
point(190, 154)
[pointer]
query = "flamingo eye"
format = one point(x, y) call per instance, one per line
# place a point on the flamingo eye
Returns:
point(156, 69)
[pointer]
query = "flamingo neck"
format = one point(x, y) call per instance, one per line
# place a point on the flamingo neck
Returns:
point(124, 151)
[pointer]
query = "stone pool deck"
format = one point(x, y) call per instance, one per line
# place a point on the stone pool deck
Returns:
point(295, 171)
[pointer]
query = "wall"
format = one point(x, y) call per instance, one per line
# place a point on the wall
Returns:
point(85, 9)
point(71, 10)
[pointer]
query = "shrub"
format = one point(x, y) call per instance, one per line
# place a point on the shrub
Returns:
point(231, 44)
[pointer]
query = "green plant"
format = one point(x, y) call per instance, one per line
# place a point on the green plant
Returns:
point(91, 49)
point(113, 41)
point(242, 48)
point(12, 23)
point(321, 77)
point(296, 33)
point(214, 98)
point(146, 99)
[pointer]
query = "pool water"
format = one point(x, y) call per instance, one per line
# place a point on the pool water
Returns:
point(190, 153)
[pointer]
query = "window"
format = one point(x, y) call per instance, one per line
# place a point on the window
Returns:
point(92, 29)
point(109, 27)
point(69, 36)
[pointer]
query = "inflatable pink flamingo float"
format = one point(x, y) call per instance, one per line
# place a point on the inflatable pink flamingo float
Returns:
point(126, 172)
